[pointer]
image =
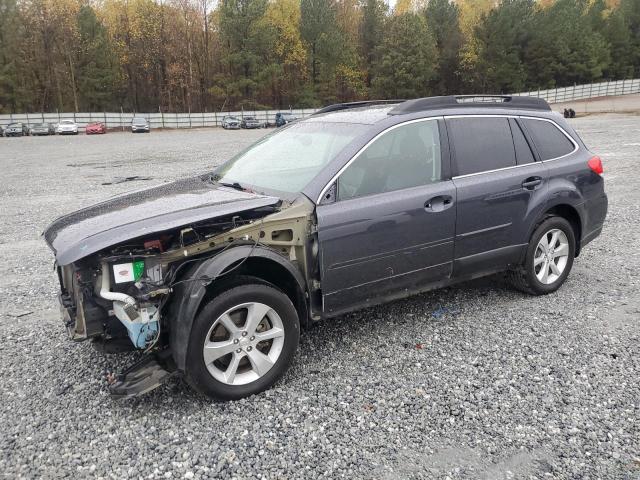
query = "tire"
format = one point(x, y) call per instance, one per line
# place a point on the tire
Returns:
point(530, 276)
point(211, 375)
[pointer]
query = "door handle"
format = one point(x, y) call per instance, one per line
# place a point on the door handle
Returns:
point(531, 183)
point(438, 204)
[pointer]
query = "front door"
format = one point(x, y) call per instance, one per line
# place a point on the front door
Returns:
point(390, 229)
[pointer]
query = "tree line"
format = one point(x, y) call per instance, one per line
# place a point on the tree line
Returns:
point(207, 55)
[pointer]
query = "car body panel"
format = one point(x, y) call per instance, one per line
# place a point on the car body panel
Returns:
point(494, 212)
point(153, 210)
point(375, 245)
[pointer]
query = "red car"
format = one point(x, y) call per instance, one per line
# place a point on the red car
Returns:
point(94, 128)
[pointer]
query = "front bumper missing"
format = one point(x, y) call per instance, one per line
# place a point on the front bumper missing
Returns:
point(142, 377)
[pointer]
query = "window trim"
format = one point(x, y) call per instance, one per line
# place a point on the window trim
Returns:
point(524, 117)
point(366, 145)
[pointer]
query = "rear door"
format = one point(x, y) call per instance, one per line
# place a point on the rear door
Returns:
point(390, 229)
point(500, 190)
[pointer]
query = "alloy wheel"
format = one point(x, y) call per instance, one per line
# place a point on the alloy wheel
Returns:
point(244, 343)
point(551, 256)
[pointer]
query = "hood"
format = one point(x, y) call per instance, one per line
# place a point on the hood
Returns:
point(158, 209)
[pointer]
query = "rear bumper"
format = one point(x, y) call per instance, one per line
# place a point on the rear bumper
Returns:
point(597, 212)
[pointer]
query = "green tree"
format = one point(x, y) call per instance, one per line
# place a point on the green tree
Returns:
point(96, 76)
point(11, 96)
point(371, 33)
point(502, 38)
point(564, 48)
point(407, 59)
point(246, 39)
point(443, 19)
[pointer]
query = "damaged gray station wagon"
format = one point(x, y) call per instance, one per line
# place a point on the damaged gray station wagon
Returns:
point(212, 277)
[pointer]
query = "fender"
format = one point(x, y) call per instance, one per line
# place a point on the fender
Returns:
point(561, 192)
point(188, 296)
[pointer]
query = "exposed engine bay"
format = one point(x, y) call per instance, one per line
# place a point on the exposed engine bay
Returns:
point(119, 296)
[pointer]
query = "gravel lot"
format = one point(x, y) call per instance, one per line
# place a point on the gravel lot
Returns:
point(477, 381)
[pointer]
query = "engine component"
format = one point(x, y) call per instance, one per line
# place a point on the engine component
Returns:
point(142, 325)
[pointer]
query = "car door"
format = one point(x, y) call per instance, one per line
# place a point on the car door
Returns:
point(389, 230)
point(500, 190)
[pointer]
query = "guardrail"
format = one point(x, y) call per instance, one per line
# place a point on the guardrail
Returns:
point(591, 90)
point(214, 119)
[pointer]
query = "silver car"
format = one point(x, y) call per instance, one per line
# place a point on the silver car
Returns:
point(230, 122)
point(140, 124)
point(42, 129)
point(67, 127)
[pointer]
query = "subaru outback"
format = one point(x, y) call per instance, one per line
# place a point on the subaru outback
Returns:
point(212, 277)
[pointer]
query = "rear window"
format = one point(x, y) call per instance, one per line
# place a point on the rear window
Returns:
point(481, 144)
point(548, 139)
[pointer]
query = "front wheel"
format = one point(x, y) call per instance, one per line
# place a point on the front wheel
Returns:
point(242, 342)
point(549, 258)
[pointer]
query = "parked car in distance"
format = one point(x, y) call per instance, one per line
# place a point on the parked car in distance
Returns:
point(282, 118)
point(1, 131)
point(213, 276)
point(17, 129)
point(95, 128)
point(229, 122)
point(251, 122)
point(38, 129)
point(140, 124)
point(67, 127)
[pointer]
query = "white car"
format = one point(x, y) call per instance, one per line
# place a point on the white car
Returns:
point(67, 127)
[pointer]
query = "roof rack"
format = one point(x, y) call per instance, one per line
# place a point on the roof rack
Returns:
point(458, 101)
point(345, 106)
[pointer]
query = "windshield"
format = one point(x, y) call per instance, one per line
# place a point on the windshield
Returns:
point(139, 120)
point(39, 125)
point(66, 122)
point(15, 125)
point(288, 159)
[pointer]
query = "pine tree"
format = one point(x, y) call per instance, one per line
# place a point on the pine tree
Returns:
point(443, 19)
point(407, 58)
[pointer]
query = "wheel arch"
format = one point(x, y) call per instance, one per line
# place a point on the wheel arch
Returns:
point(246, 260)
point(568, 212)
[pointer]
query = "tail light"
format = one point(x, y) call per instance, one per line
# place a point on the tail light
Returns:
point(595, 164)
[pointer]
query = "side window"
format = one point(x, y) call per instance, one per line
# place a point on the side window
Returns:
point(481, 144)
point(549, 140)
point(523, 150)
point(405, 157)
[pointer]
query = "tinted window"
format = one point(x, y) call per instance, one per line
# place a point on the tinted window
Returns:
point(405, 157)
point(523, 150)
point(481, 144)
point(549, 140)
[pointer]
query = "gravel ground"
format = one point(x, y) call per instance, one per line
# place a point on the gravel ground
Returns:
point(476, 381)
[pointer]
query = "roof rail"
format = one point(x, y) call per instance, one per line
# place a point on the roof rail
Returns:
point(458, 101)
point(345, 106)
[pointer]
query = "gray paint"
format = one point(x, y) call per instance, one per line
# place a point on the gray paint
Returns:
point(145, 212)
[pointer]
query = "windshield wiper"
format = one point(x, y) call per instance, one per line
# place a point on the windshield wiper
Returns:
point(235, 185)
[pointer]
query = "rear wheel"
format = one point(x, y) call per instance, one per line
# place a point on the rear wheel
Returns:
point(549, 258)
point(242, 341)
